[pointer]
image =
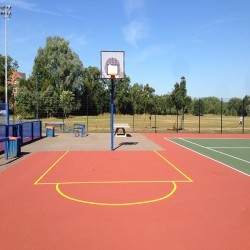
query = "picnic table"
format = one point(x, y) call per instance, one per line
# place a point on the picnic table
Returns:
point(121, 126)
point(56, 124)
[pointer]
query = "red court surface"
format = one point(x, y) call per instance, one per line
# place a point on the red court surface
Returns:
point(169, 199)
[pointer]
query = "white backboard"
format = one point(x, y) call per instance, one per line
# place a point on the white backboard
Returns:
point(112, 64)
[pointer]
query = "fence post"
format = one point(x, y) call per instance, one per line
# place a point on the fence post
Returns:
point(199, 115)
point(87, 113)
point(177, 121)
point(155, 122)
point(242, 112)
point(221, 110)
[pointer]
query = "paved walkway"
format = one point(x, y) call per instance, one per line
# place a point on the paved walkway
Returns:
point(91, 142)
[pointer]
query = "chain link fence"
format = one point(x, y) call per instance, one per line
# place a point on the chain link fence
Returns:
point(226, 119)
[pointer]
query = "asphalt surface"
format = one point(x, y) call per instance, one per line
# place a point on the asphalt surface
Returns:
point(89, 142)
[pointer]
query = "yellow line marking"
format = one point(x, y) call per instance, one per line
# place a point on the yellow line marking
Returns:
point(171, 164)
point(111, 182)
point(50, 168)
point(114, 182)
point(117, 204)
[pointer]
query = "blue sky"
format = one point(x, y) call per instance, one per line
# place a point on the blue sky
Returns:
point(207, 42)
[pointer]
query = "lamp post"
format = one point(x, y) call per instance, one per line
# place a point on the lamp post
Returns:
point(6, 13)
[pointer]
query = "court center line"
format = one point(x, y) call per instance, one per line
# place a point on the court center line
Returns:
point(50, 168)
point(171, 164)
point(215, 150)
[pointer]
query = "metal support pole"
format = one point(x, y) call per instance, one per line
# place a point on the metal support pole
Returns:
point(243, 115)
point(177, 129)
point(87, 113)
point(6, 13)
point(6, 75)
point(112, 114)
point(221, 111)
point(199, 115)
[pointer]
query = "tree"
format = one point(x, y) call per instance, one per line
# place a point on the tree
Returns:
point(137, 98)
point(180, 99)
point(123, 101)
point(212, 105)
point(50, 101)
point(96, 91)
point(246, 105)
point(67, 102)
point(148, 94)
point(11, 66)
point(25, 103)
point(198, 107)
point(58, 66)
point(234, 106)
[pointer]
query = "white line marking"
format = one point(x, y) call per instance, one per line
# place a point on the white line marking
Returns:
point(207, 156)
point(215, 150)
point(231, 147)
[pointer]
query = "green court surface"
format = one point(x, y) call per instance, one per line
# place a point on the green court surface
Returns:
point(234, 153)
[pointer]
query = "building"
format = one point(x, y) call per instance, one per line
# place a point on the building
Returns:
point(13, 80)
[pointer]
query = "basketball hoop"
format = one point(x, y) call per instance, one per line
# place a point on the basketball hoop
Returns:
point(112, 64)
point(112, 67)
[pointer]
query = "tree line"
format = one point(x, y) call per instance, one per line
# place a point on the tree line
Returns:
point(59, 84)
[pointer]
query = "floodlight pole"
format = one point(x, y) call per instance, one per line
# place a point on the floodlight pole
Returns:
point(112, 112)
point(6, 13)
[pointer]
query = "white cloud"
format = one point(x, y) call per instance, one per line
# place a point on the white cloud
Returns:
point(137, 27)
point(154, 51)
point(23, 5)
point(31, 7)
point(131, 5)
point(78, 41)
point(134, 32)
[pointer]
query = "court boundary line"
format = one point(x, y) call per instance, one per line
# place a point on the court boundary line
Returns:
point(161, 157)
point(47, 171)
point(37, 182)
point(215, 150)
point(231, 147)
point(226, 165)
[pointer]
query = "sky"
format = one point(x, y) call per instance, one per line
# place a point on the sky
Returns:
point(207, 42)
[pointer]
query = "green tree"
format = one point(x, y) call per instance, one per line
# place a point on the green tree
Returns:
point(149, 103)
point(137, 98)
point(11, 66)
point(234, 106)
point(95, 91)
point(50, 101)
point(67, 102)
point(212, 105)
point(180, 99)
point(246, 104)
point(58, 66)
point(123, 99)
point(198, 107)
point(25, 103)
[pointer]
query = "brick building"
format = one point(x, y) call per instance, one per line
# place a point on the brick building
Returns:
point(13, 80)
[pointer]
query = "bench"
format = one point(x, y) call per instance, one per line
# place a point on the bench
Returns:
point(78, 129)
point(121, 126)
point(56, 124)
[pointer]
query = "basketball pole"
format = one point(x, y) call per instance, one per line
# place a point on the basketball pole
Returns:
point(112, 112)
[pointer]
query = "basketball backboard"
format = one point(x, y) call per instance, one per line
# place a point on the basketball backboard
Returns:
point(112, 64)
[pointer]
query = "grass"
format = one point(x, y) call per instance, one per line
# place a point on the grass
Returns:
point(161, 123)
